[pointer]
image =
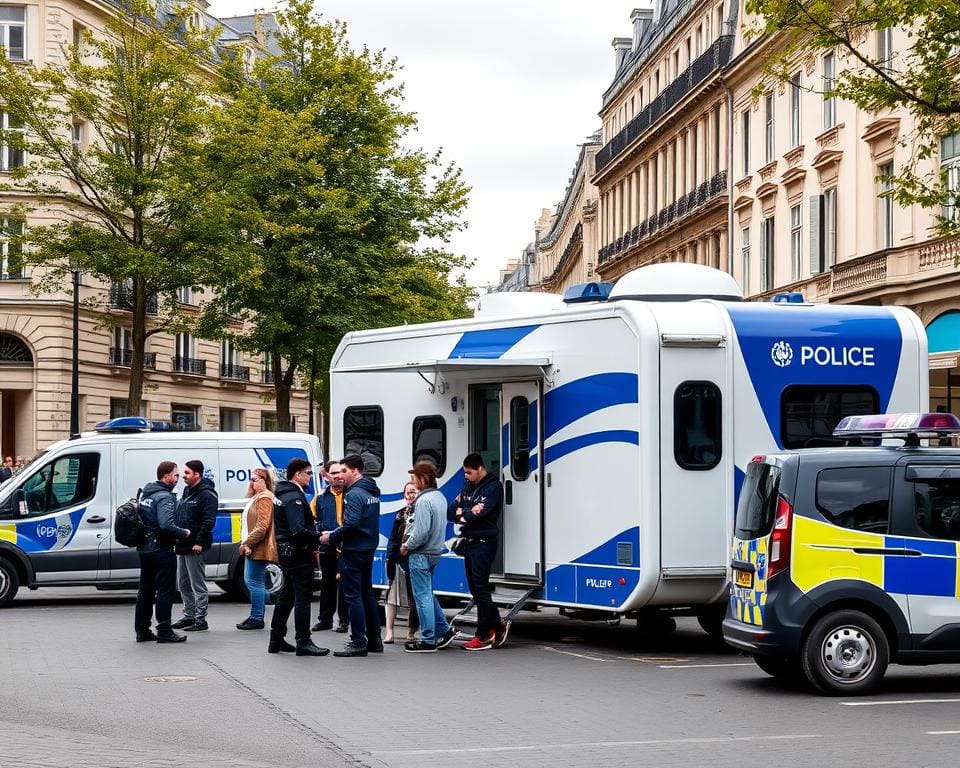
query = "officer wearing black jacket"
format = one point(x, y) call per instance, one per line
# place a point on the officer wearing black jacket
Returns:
point(158, 563)
point(197, 511)
point(297, 541)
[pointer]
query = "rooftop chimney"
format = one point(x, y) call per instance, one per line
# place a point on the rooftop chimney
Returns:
point(258, 29)
point(621, 50)
point(642, 18)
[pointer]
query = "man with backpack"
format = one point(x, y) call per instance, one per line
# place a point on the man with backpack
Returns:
point(158, 563)
point(197, 511)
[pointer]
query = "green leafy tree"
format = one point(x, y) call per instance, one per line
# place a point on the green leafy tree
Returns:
point(331, 199)
point(134, 205)
point(921, 78)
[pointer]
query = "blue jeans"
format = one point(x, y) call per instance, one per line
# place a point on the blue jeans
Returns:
point(433, 624)
point(356, 586)
point(254, 573)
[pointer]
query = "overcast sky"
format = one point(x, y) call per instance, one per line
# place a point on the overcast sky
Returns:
point(507, 88)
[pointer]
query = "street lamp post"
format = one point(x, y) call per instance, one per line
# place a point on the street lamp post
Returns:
point(75, 374)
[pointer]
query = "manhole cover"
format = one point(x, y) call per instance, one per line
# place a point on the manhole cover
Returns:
point(170, 679)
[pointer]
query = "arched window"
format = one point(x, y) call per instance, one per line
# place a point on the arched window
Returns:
point(13, 351)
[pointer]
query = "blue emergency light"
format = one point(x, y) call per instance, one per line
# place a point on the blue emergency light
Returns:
point(124, 424)
point(577, 294)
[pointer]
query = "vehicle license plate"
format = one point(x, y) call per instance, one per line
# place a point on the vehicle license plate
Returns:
point(744, 579)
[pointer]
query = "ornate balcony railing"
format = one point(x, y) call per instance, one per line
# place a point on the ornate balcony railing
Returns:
point(705, 192)
point(190, 365)
point(713, 59)
point(121, 297)
point(235, 372)
point(125, 357)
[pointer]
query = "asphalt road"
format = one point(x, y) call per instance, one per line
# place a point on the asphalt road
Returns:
point(77, 691)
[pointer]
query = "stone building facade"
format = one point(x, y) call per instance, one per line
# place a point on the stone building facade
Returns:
point(196, 384)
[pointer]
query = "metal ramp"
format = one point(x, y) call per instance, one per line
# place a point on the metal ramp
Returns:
point(512, 597)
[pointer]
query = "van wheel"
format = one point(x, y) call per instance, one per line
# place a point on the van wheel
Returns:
point(9, 582)
point(780, 667)
point(845, 653)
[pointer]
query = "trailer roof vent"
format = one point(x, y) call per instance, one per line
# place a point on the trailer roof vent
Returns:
point(676, 282)
point(516, 303)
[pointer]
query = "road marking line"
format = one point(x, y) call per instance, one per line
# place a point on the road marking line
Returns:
point(652, 659)
point(593, 744)
point(898, 701)
point(705, 666)
point(943, 733)
point(578, 655)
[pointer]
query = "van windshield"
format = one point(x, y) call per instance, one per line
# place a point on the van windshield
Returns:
point(758, 501)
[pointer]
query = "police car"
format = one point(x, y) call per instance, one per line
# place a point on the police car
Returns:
point(845, 558)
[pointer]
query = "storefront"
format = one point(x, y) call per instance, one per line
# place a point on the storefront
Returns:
point(943, 339)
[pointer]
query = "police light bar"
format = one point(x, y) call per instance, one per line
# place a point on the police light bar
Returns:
point(583, 292)
point(131, 424)
point(899, 425)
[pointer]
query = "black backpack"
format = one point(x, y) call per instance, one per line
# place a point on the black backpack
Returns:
point(128, 528)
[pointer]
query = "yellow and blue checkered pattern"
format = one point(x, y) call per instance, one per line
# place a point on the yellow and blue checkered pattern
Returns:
point(747, 604)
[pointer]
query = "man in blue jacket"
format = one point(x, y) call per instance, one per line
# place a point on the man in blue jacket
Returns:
point(477, 508)
point(197, 511)
point(158, 563)
point(358, 538)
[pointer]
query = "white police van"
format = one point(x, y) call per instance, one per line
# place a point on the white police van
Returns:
point(56, 516)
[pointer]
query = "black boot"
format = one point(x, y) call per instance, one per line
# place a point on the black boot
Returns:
point(279, 645)
point(307, 648)
point(146, 637)
point(169, 636)
point(351, 650)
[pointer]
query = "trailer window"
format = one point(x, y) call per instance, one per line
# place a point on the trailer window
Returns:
point(520, 438)
point(809, 414)
point(430, 441)
point(697, 421)
point(363, 434)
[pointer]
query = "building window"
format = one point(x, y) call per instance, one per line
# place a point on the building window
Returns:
point(950, 172)
point(185, 294)
point(885, 198)
point(795, 110)
point(694, 158)
point(185, 360)
point(857, 498)
point(11, 156)
point(885, 47)
point(11, 253)
point(78, 29)
point(697, 425)
point(766, 254)
point(745, 140)
point(716, 141)
point(121, 351)
point(829, 83)
point(430, 441)
point(184, 417)
point(268, 422)
point(76, 137)
point(363, 435)
point(809, 413)
point(830, 227)
point(13, 22)
point(231, 420)
point(768, 142)
point(699, 38)
point(796, 229)
point(118, 407)
point(745, 259)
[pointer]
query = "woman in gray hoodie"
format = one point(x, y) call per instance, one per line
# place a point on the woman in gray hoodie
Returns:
point(424, 545)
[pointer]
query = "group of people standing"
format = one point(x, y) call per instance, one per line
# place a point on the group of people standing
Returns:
point(9, 468)
point(338, 534)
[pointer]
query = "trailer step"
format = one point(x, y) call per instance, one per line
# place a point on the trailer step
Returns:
point(514, 599)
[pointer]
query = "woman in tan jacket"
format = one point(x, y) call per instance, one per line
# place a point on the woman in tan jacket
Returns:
point(257, 544)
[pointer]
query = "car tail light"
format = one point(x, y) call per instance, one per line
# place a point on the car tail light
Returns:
point(780, 539)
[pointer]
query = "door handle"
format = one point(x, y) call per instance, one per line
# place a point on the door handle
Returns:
point(96, 519)
point(508, 492)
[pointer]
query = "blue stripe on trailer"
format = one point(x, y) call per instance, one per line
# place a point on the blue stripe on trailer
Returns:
point(581, 397)
point(489, 344)
point(558, 450)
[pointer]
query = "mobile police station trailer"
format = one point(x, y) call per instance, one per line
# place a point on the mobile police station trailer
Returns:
point(620, 428)
point(56, 516)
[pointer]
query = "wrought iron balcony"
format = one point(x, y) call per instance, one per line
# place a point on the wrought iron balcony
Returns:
point(235, 372)
point(121, 297)
point(190, 365)
point(125, 357)
point(712, 60)
point(710, 189)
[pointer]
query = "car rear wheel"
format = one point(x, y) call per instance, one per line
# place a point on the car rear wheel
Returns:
point(9, 582)
point(780, 667)
point(846, 653)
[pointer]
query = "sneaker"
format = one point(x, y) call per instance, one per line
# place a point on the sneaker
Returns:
point(479, 644)
point(448, 637)
point(251, 624)
point(501, 634)
point(197, 626)
point(184, 623)
point(417, 647)
point(351, 650)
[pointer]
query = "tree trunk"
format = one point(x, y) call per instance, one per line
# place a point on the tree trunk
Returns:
point(139, 340)
point(282, 384)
